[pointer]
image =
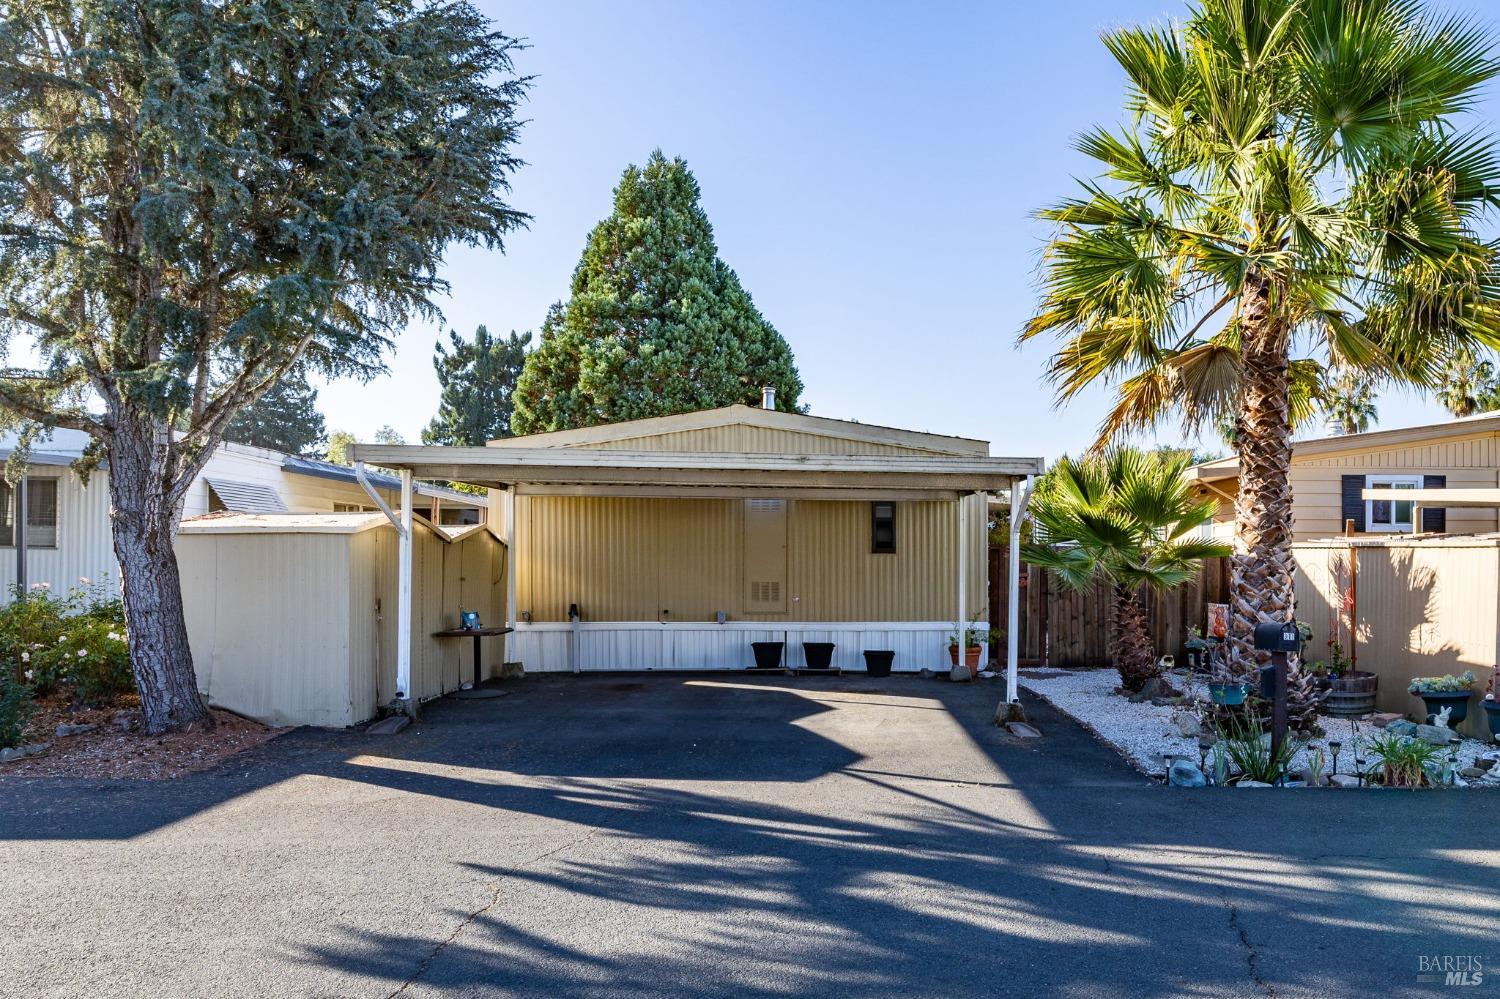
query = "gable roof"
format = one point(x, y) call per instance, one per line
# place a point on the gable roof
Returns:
point(750, 416)
point(1467, 426)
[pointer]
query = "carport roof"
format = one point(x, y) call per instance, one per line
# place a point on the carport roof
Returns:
point(615, 472)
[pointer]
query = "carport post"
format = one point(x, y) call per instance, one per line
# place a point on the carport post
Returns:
point(1020, 493)
point(963, 579)
point(404, 695)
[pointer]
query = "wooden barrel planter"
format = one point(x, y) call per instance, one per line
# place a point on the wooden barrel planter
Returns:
point(1352, 695)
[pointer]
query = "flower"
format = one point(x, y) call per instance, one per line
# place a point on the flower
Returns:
point(115, 637)
point(29, 674)
point(25, 657)
point(86, 581)
point(82, 653)
point(61, 639)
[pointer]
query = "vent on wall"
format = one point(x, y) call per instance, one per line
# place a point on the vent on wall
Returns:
point(765, 592)
point(767, 505)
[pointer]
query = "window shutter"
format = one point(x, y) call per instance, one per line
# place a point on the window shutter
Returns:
point(1354, 504)
point(1434, 518)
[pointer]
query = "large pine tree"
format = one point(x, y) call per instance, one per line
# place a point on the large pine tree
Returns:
point(657, 324)
point(478, 378)
point(286, 419)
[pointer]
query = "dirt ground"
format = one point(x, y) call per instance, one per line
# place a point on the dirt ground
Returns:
point(115, 751)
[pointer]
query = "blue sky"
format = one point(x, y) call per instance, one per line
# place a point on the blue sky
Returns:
point(869, 168)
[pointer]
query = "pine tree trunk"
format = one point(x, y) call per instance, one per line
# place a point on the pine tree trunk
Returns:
point(1133, 654)
point(1261, 567)
point(144, 522)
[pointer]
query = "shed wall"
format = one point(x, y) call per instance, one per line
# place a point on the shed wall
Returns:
point(1421, 610)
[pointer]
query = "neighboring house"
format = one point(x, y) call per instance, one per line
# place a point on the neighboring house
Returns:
point(68, 531)
point(1330, 475)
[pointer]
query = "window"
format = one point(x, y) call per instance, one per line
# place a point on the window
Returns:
point(352, 508)
point(883, 528)
point(41, 513)
point(1390, 515)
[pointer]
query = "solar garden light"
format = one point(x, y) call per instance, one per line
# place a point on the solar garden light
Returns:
point(1334, 746)
point(1453, 745)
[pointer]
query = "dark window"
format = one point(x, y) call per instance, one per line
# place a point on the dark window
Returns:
point(883, 528)
point(41, 514)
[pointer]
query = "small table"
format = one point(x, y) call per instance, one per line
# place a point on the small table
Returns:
point(476, 634)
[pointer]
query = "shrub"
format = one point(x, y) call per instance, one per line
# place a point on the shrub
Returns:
point(1242, 744)
point(77, 640)
point(15, 708)
point(94, 658)
point(1405, 762)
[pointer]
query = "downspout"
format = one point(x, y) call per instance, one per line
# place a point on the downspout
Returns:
point(405, 701)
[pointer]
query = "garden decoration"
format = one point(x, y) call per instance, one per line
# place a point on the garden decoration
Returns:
point(1196, 646)
point(1351, 691)
point(1446, 691)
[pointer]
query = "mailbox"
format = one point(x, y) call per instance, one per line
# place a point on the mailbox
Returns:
point(1277, 637)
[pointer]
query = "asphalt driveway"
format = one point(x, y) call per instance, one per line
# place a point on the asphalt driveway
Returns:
point(732, 836)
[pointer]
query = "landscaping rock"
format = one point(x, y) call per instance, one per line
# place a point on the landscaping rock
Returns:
point(389, 725)
point(1187, 724)
point(21, 752)
point(960, 674)
point(1021, 730)
point(1344, 780)
point(1484, 763)
point(1402, 727)
point(126, 721)
point(1472, 773)
point(1383, 718)
point(1252, 783)
point(1185, 774)
point(64, 729)
point(511, 671)
point(1436, 735)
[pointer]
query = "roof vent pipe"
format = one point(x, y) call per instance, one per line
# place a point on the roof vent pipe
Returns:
point(768, 397)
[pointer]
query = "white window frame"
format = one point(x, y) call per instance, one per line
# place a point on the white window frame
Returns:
point(1382, 481)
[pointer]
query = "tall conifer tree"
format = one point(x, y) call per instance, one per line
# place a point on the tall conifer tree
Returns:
point(478, 378)
point(657, 324)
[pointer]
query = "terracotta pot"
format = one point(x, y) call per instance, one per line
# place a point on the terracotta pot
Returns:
point(971, 657)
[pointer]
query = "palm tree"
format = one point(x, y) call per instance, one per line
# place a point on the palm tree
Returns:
point(1467, 385)
point(1128, 518)
point(1347, 398)
point(1290, 192)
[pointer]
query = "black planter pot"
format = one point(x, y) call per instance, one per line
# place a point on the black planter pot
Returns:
point(1436, 701)
point(878, 662)
point(819, 655)
point(1492, 710)
point(767, 654)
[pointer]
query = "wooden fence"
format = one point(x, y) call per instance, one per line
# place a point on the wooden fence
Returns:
point(1063, 627)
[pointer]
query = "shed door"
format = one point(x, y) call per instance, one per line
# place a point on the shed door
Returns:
point(765, 556)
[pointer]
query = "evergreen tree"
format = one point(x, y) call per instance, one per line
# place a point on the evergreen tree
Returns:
point(656, 324)
point(286, 419)
point(479, 380)
point(339, 443)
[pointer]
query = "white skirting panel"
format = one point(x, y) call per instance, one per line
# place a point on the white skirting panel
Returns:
point(647, 645)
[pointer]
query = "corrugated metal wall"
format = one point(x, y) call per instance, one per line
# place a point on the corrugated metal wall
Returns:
point(84, 546)
point(300, 628)
point(1422, 609)
point(681, 560)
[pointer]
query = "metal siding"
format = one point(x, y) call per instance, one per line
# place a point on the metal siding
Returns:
point(85, 547)
point(741, 438)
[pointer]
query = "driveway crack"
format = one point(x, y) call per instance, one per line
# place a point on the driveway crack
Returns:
point(1252, 953)
point(499, 890)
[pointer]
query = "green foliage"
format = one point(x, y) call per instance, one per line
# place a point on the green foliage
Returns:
point(1347, 398)
point(1445, 684)
point(656, 323)
point(1247, 750)
point(339, 443)
point(1468, 384)
point(1312, 148)
point(285, 419)
point(1126, 516)
point(15, 708)
point(478, 380)
point(74, 641)
point(1400, 761)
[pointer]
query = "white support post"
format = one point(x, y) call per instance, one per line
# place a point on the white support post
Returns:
point(1019, 495)
point(963, 580)
point(404, 693)
point(510, 557)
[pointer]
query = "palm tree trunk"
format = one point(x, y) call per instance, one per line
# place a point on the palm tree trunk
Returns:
point(1133, 654)
point(1261, 567)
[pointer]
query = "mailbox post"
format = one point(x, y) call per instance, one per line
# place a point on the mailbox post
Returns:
point(1278, 639)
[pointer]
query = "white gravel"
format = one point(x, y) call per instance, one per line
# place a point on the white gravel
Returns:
point(1144, 733)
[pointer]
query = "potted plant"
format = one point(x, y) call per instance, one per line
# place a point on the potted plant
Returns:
point(1223, 686)
point(972, 647)
point(1491, 703)
point(1445, 692)
point(1351, 692)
